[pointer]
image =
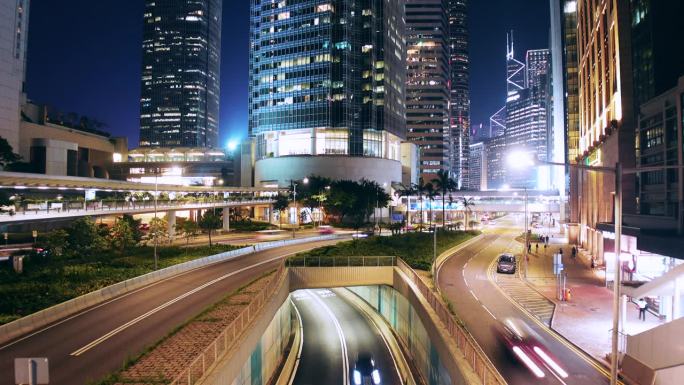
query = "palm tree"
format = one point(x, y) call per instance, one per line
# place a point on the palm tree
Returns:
point(444, 184)
point(468, 203)
point(420, 188)
point(451, 202)
point(430, 194)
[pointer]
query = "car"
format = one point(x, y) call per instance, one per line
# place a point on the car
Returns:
point(326, 230)
point(525, 344)
point(365, 372)
point(271, 235)
point(506, 264)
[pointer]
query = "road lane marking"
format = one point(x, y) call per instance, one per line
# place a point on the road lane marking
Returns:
point(473, 293)
point(86, 311)
point(490, 313)
point(301, 344)
point(340, 335)
point(163, 306)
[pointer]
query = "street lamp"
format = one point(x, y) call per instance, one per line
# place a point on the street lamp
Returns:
point(521, 159)
point(294, 199)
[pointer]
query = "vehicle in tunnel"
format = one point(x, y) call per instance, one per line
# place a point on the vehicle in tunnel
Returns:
point(365, 372)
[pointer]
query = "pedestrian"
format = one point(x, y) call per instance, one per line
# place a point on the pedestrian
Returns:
point(560, 251)
point(642, 304)
point(536, 248)
point(529, 247)
point(574, 252)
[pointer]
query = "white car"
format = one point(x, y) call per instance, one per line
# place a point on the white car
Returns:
point(365, 372)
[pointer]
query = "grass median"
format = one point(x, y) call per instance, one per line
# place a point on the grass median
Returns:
point(414, 248)
point(48, 281)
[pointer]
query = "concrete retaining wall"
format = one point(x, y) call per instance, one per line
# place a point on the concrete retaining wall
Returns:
point(63, 310)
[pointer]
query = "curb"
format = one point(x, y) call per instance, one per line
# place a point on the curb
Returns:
point(45, 317)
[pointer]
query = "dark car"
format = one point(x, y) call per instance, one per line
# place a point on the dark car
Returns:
point(365, 372)
point(506, 264)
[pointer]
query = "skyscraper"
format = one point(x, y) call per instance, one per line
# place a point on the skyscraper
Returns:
point(14, 20)
point(459, 60)
point(515, 69)
point(427, 85)
point(327, 89)
point(179, 105)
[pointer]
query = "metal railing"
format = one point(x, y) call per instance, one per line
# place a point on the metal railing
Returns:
point(230, 335)
point(113, 206)
point(476, 358)
point(341, 261)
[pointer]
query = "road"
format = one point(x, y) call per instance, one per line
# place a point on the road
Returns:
point(479, 302)
point(96, 341)
point(335, 332)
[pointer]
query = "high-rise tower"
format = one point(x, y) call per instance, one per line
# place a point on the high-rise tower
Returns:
point(14, 19)
point(460, 89)
point(326, 89)
point(179, 104)
point(427, 85)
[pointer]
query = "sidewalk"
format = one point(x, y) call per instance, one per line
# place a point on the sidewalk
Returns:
point(586, 319)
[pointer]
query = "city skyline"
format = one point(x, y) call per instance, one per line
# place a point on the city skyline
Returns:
point(114, 99)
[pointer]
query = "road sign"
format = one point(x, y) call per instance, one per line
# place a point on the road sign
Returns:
point(31, 371)
point(35, 233)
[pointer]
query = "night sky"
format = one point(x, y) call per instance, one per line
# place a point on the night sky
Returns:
point(86, 59)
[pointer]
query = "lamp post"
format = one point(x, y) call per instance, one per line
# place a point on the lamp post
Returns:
point(294, 198)
point(618, 172)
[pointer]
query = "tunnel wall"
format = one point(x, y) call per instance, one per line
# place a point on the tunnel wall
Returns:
point(404, 320)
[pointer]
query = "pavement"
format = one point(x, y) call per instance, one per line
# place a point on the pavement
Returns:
point(586, 318)
point(465, 279)
point(335, 333)
point(96, 341)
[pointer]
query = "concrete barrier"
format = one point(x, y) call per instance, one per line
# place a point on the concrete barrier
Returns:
point(63, 310)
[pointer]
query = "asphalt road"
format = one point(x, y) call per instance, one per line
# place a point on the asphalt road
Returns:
point(480, 304)
point(335, 332)
point(96, 341)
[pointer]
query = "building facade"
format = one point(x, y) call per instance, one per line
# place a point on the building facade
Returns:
point(327, 89)
point(606, 115)
point(477, 167)
point(179, 103)
point(459, 60)
point(14, 22)
point(427, 85)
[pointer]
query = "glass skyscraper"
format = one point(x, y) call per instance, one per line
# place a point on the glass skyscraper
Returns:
point(327, 78)
point(179, 105)
point(459, 61)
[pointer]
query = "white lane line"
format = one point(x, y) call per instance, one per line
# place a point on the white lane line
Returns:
point(340, 335)
point(301, 344)
point(473, 293)
point(490, 313)
point(466, 281)
point(129, 294)
point(163, 306)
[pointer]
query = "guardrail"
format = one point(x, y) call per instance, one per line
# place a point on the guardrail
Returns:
point(44, 317)
point(199, 366)
point(477, 359)
point(341, 261)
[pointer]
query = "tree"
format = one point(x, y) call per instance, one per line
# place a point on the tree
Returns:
point(83, 237)
point(188, 229)
point(159, 230)
point(444, 184)
point(420, 188)
point(430, 194)
point(468, 203)
point(281, 204)
point(451, 202)
point(121, 235)
point(56, 242)
point(7, 155)
point(210, 222)
point(135, 227)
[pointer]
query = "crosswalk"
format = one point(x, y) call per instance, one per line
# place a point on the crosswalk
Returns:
point(535, 303)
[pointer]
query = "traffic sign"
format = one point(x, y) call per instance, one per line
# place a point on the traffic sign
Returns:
point(31, 371)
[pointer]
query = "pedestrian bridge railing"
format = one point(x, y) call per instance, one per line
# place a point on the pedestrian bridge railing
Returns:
point(342, 261)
